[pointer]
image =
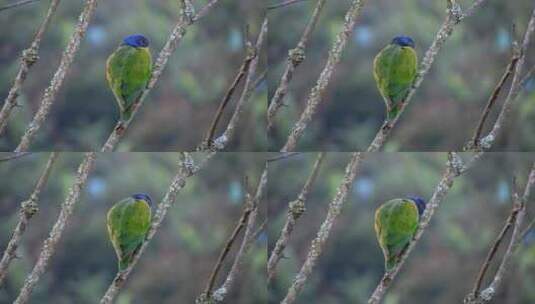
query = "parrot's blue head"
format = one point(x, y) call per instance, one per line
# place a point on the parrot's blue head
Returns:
point(403, 41)
point(420, 203)
point(136, 41)
point(143, 197)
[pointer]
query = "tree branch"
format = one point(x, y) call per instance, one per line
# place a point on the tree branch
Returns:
point(13, 156)
point(454, 16)
point(29, 57)
point(283, 4)
point(316, 247)
point(248, 88)
point(454, 168)
point(295, 209)
point(57, 80)
point(49, 245)
point(28, 209)
point(186, 169)
point(248, 238)
point(179, 30)
point(295, 57)
point(515, 88)
point(316, 93)
point(515, 220)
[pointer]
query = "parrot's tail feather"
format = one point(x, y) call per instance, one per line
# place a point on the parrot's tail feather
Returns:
point(391, 263)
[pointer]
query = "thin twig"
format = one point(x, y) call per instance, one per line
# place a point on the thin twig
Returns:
point(454, 168)
point(316, 247)
point(17, 4)
point(283, 4)
point(28, 209)
point(316, 93)
point(454, 16)
point(15, 155)
point(59, 76)
point(244, 68)
point(516, 219)
point(49, 245)
point(248, 87)
point(494, 96)
point(228, 245)
point(248, 238)
point(295, 209)
point(295, 57)
point(29, 57)
point(516, 86)
point(186, 169)
point(177, 33)
point(282, 156)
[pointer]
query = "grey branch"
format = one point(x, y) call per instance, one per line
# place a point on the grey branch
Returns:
point(57, 80)
point(49, 245)
point(516, 220)
point(316, 247)
point(15, 155)
point(177, 33)
point(247, 91)
point(295, 57)
point(316, 93)
point(29, 57)
point(454, 168)
point(295, 209)
point(454, 16)
point(248, 238)
point(17, 4)
point(186, 169)
point(27, 210)
point(515, 88)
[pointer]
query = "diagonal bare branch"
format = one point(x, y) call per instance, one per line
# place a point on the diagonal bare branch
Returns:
point(27, 210)
point(17, 4)
point(29, 57)
point(57, 80)
point(315, 96)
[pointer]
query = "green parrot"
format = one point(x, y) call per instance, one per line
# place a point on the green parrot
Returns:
point(396, 222)
point(394, 70)
point(128, 71)
point(128, 224)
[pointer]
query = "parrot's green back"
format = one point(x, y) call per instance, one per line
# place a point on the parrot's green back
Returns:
point(128, 70)
point(128, 224)
point(394, 69)
point(396, 222)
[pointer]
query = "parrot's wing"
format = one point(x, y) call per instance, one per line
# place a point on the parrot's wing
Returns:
point(382, 67)
point(403, 223)
point(115, 227)
point(136, 73)
point(402, 73)
point(135, 223)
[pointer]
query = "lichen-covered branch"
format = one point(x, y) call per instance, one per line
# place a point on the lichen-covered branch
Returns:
point(49, 245)
point(186, 19)
point(15, 155)
point(295, 209)
point(16, 4)
point(315, 96)
point(186, 169)
point(316, 247)
point(515, 220)
point(27, 210)
point(59, 76)
point(516, 86)
point(248, 88)
point(248, 238)
point(29, 57)
point(454, 16)
point(454, 168)
point(295, 57)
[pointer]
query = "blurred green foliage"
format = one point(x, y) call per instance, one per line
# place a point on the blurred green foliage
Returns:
point(177, 112)
point(447, 106)
point(443, 266)
point(177, 263)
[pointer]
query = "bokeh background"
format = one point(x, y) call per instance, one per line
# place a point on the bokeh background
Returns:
point(178, 261)
point(443, 266)
point(176, 114)
point(443, 113)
